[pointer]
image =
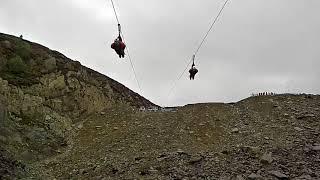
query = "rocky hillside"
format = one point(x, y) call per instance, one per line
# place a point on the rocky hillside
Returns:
point(59, 120)
point(43, 93)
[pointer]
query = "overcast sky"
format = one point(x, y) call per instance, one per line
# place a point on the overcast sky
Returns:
point(256, 45)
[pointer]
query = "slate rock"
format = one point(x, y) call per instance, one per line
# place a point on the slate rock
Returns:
point(298, 129)
point(254, 176)
point(235, 130)
point(266, 158)
point(278, 174)
point(303, 177)
point(315, 148)
point(240, 177)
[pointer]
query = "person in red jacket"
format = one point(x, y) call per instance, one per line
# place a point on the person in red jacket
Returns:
point(119, 46)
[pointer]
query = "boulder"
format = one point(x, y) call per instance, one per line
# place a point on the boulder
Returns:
point(266, 158)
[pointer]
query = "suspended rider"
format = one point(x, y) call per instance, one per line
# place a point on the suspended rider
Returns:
point(118, 45)
point(193, 71)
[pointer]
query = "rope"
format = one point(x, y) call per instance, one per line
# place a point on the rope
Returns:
point(198, 48)
point(131, 62)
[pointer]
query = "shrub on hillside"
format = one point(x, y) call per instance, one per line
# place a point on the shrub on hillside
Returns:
point(16, 65)
point(23, 49)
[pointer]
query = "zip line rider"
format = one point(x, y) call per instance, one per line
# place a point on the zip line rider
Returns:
point(118, 45)
point(193, 71)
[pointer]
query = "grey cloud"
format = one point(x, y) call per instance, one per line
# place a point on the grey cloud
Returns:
point(256, 45)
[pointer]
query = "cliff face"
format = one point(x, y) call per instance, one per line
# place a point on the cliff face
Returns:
point(43, 94)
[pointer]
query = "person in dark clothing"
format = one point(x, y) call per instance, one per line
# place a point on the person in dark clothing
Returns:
point(193, 71)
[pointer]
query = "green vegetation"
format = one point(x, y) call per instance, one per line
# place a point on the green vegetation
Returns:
point(23, 49)
point(17, 72)
point(33, 119)
point(16, 65)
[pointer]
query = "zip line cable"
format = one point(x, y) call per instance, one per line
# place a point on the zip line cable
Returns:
point(189, 62)
point(180, 76)
point(131, 62)
point(199, 47)
point(132, 65)
point(214, 22)
point(133, 69)
point(115, 12)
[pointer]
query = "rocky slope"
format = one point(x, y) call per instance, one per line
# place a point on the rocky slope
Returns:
point(60, 120)
point(43, 94)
